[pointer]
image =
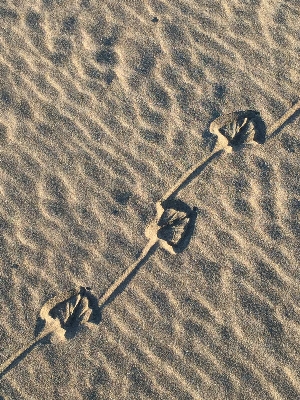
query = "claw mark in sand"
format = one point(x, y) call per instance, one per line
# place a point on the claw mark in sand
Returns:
point(61, 316)
point(233, 131)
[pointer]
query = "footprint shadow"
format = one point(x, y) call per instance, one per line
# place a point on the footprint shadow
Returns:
point(170, 231)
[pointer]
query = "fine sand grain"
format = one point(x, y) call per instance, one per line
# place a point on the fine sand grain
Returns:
point(104, 105)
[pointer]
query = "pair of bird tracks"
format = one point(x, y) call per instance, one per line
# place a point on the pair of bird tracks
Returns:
point(171, 229)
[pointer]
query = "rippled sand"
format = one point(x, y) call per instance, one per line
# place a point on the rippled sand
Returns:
point(103, 105)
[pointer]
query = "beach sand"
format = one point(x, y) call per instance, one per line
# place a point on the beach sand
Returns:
point(103, 106)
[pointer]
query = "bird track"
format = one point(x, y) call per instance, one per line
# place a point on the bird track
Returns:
point(171, 229)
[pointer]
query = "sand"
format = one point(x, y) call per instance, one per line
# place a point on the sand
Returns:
point(103, 107)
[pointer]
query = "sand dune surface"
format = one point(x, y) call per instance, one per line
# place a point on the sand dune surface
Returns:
point(103, 107)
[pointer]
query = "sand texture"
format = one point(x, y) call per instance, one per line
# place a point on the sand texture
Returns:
point(104, 105)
